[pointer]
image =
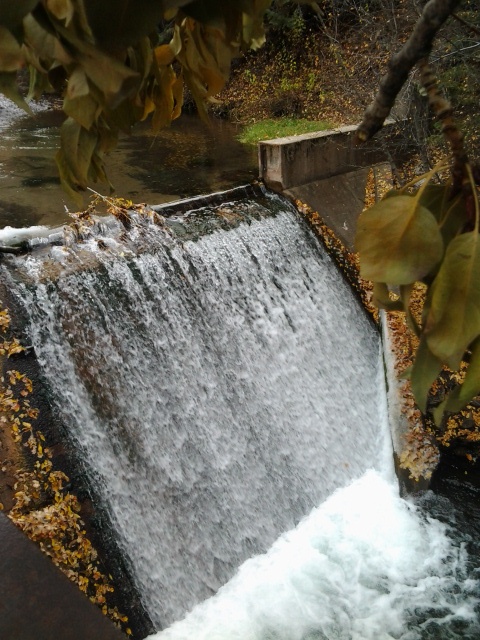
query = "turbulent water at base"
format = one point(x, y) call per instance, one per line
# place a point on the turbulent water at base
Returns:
point(220, 389)
point(366, 565)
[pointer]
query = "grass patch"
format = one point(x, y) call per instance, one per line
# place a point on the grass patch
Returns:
point(280, 128)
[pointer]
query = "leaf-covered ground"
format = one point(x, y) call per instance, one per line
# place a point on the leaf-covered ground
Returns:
point(329, 75)
point(329, 70)
point(34, 493)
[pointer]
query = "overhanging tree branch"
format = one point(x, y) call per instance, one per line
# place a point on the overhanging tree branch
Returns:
point(418, 46)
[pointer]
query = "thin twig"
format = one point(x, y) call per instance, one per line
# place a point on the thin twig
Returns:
point(452, 53)
point(443, 110)
point(469, 25)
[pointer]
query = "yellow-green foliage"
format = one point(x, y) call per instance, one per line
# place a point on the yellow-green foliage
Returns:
point(107, 60)
point(279, 128)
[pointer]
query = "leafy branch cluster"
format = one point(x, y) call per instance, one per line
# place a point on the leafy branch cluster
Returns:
point(42, 506)
point(428, 233)
point(431, 235)
point(108, 61)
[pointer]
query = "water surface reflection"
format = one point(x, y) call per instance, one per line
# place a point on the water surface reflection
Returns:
point(187, 159)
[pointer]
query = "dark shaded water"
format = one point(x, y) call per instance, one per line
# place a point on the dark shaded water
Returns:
point(187, 159)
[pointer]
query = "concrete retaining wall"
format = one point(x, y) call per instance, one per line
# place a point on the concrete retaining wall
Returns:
point(327, 171)
point(40, 603)
point(298, 160)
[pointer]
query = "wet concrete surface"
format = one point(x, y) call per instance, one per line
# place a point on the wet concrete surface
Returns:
point(37, 601)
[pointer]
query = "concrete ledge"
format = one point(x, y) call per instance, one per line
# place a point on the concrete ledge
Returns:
point(339, 199)
point(416, 455)
point(298, 160)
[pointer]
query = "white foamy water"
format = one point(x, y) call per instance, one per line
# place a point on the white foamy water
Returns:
point(13, 235)
point(219, 390)
point(216, 392)
point(366, 565)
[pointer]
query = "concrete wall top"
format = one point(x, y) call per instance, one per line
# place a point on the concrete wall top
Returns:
point(314, 134)
point(297, 160)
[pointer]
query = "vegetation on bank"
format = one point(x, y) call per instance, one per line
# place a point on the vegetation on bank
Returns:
point(328, 69)
point(279, 128)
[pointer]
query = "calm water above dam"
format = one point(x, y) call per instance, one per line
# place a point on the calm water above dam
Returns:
point(187, 159)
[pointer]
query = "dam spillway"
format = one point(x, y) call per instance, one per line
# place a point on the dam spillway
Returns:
point(217, 388)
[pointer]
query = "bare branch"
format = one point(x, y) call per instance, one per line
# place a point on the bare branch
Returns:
point(418, 46)
point(457, 51)
point(469, 25)
point(442, 109)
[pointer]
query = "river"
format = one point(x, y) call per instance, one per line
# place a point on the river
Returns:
point(187, 159)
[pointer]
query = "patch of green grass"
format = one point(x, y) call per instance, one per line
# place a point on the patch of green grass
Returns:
point(280, 128)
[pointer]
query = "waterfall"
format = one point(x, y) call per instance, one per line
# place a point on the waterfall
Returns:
point(365, 565)
point(218, 388)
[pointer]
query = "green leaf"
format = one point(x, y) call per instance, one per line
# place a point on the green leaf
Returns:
point(9, 88)
point(43, 43)
point(61, 9)
point(253, 32)
point(12, 12)
point(434, 196)
point(107, 135)
point(38, 84)
point(464, 393)
point(451, 215)
point(382, 299)
point(453, 319)
point(398, 241)
point(74, 158)
point(84, 109)
point(391, 193)
point(123, 117)
point(205, 56)
point(97, 171)
point(163, 98)
point(113, 79)
point(425, 371)
point(77, 84)
point(67, 179)
point(80, 103)
point(11, 54)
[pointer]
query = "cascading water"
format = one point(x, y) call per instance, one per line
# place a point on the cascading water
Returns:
point(364, 566)
point(219, 389)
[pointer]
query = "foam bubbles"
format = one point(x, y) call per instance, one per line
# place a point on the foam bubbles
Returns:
point(12, 235)
point(366, 565)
